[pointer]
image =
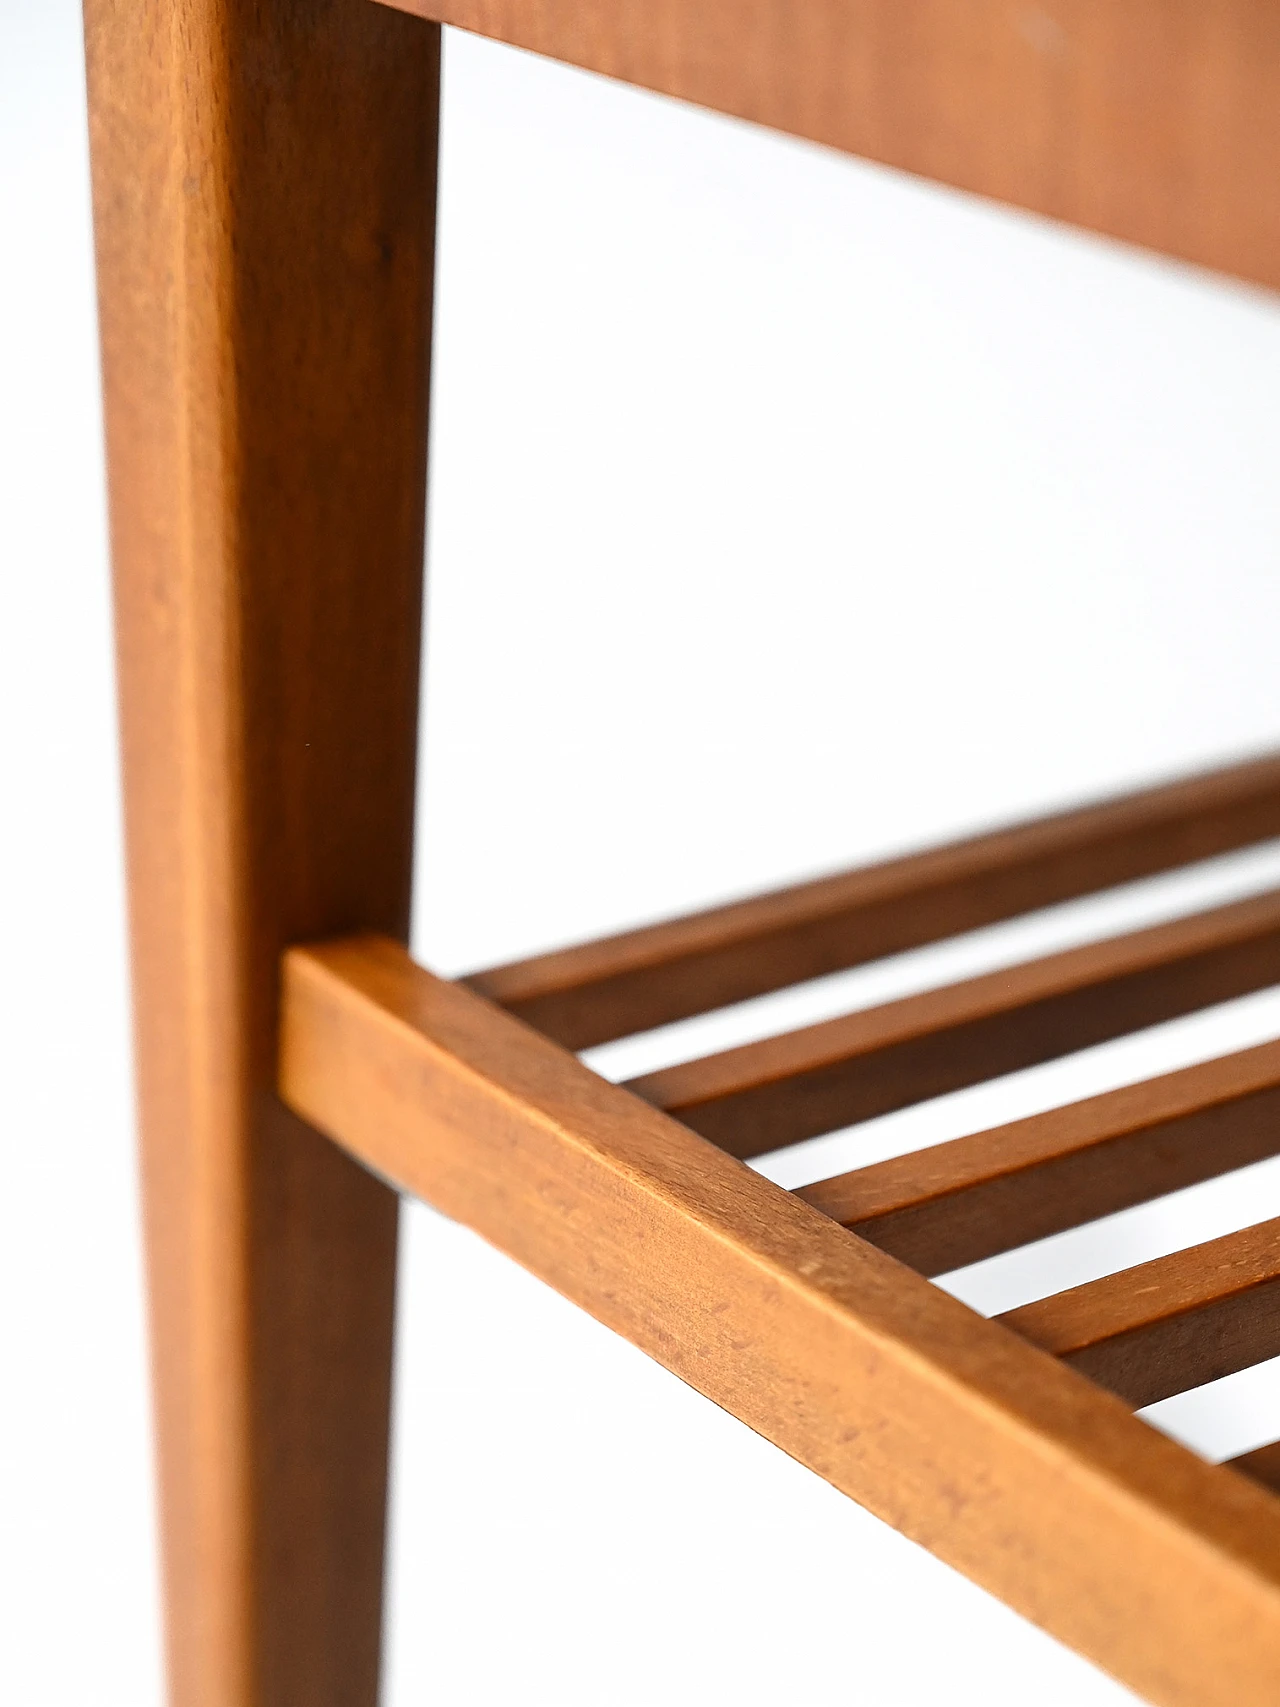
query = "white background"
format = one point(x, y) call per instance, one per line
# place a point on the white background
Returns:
point(784, 512)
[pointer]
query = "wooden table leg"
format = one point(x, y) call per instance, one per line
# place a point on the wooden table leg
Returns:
point(264, 204)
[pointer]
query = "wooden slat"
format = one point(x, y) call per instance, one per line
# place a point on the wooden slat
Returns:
point(1171, 1324)
point(1261, 1465)
point(1156, 121)
point(643, 978)
point(959, 1202)
point(1163, 1568)
point(763, 1095)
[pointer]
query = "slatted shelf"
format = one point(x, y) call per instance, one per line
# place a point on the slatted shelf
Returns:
point(1004, 1461)
point(1008, 1445)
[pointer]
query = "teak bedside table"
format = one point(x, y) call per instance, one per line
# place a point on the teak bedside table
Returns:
point(264, 179)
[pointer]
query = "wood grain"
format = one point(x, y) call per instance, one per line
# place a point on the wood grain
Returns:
point(1164, 1569)
point(622, 984)
point(263, 184)
point(1155, 121)
point(763, 1095)
point(1171, 1324)
point(960, 1202)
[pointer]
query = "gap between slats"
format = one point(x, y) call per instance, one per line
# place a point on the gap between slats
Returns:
point(642, 979)
point(1150, 1331)
point(960, 1202)
point(764, 1095)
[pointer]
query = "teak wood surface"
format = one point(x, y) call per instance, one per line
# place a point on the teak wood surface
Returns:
point(264, 178)
point(1155, 121)
point(263, 190)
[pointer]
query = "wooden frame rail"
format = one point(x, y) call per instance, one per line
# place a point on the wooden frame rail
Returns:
point(1014, 1468)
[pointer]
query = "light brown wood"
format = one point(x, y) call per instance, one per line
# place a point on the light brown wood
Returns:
point(263, 183)
point(643, 978)
point(1171, 1324)
point(1007, 1464)
point(264, 180)
point(763, 1095)
point(1155, 121)
point(959, 1202)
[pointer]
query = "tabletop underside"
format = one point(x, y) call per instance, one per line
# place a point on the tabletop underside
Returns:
point(1153, 121)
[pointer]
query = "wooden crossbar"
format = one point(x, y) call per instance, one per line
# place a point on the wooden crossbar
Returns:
point(622, 984)
point(762, 1095)
point(1001, 1460)
point(1155, 121)
point(958, 1202)
point(1168, 1325)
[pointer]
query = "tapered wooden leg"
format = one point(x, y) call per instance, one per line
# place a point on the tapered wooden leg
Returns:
point(264, 189)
